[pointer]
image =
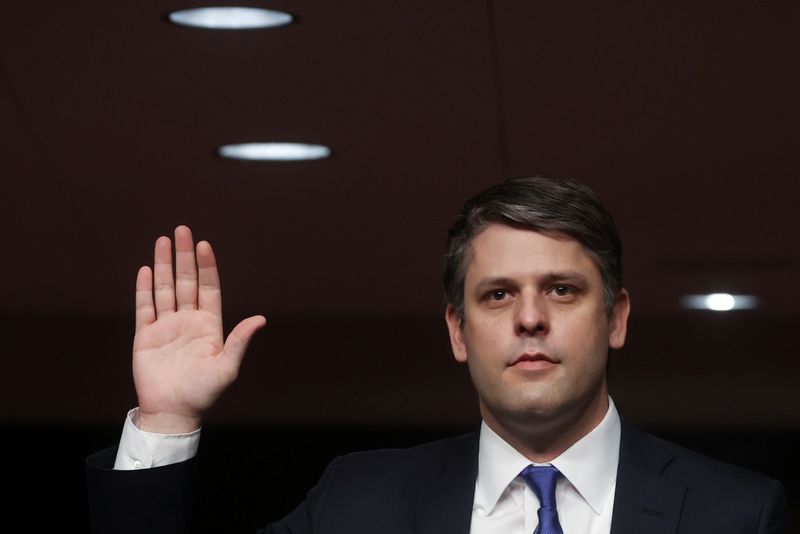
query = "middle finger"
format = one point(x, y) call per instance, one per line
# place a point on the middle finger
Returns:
point(185, 269)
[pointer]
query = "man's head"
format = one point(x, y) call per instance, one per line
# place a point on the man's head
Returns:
point(548, 205)
point(535, 302)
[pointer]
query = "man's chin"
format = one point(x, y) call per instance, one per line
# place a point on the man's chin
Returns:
point(531, 410)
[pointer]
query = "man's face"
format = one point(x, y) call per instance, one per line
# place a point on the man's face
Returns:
point(535, 332)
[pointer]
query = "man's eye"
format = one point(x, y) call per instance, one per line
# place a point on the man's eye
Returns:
point(562, 291)
point(498, 294)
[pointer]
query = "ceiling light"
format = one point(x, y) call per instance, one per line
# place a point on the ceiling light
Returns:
point(720, 302)
point(275, 151)
point(230, 18)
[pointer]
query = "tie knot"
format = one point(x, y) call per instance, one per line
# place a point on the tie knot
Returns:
point(542, 480)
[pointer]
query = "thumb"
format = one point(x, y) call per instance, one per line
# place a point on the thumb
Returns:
point(239, 338)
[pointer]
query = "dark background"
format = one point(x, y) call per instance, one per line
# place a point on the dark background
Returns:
point(682, 116)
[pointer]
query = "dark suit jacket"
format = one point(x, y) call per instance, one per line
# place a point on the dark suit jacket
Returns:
point(661, 488)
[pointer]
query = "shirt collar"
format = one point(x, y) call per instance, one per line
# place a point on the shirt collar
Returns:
point(590, 464)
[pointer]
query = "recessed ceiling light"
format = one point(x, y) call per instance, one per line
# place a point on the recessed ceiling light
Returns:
point(230, 18)
point(275, 151)
point(720, 302)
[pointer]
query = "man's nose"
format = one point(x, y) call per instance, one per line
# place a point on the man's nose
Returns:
point(531, 316)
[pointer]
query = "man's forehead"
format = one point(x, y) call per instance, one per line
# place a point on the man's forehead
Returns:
point(494, 239)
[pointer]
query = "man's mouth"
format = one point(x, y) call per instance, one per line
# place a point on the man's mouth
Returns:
point(533, 361)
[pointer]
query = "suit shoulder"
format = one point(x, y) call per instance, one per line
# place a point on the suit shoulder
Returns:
point(381, 487)
point(693, 469)
point(716, 496)
point(428, 458)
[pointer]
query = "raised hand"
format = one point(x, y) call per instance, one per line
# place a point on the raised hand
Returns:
point(181, 362)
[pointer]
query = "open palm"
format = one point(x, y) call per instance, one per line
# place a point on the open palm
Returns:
point(181, 362)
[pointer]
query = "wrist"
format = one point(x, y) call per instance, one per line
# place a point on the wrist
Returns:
point(165, 423)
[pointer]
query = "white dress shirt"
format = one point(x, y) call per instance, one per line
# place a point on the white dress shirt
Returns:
point(503, 501)
point(142, 450)
point(584, 495)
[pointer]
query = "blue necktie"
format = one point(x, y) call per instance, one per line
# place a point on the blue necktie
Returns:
point(542, 480)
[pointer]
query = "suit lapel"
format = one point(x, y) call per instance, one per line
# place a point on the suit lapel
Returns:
point(645, 501)
point(444, 506)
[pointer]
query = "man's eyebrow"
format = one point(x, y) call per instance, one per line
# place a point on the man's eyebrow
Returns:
point(565, 276)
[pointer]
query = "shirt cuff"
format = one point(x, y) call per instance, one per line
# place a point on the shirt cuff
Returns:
point(142, 450)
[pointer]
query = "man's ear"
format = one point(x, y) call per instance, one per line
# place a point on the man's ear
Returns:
point(456, 334)
point(618, 320)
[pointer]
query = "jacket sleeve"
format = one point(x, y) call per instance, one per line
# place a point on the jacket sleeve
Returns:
point(156, 500)
point(159, 500)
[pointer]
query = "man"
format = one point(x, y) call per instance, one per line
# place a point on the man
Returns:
point(533, 280)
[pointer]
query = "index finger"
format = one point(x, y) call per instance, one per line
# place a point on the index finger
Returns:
point(209, 293)
point(145, 310)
